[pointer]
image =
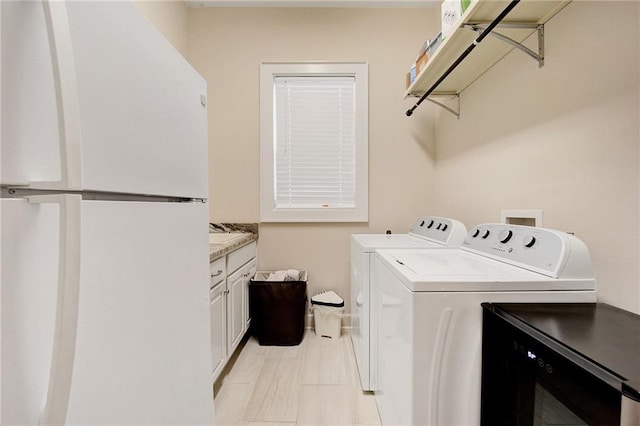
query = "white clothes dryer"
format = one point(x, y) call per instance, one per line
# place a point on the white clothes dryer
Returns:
point(430, 319)
point(427, 231)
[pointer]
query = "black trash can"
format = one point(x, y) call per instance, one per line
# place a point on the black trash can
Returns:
point(278, 309)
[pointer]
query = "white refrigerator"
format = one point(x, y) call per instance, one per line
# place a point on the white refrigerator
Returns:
point(104, 244)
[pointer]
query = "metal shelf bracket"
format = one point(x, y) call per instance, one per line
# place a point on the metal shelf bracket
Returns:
point(539, 57)
point(448, 101)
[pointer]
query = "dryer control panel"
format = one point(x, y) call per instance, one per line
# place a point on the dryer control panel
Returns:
point(444, 230)
point(548, 251)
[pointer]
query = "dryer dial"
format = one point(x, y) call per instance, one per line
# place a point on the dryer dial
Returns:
point(529, 241)
point(505, 236)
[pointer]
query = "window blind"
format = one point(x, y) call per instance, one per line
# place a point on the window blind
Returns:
point(314, 138)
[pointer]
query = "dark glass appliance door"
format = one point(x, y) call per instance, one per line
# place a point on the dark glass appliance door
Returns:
point(527, 383)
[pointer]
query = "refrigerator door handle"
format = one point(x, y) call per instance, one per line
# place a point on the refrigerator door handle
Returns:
point(67, 100)
point(66, 319)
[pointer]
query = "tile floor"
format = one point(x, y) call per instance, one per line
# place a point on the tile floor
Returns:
point(315, 383)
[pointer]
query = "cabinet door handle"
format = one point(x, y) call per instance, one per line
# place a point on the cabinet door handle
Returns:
point(217, 274)
point(226, 292)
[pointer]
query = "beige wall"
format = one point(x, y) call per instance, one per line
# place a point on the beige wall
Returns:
point(227, 46)
point(563, 139)
point(170, 17)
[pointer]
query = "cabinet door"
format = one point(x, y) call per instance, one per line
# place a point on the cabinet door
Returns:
point(235, 304)
point(218, 312)
point(249, 271)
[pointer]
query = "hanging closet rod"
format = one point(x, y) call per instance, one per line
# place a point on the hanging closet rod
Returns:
point(464, 54)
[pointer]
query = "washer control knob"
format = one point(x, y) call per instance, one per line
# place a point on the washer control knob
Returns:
point(439, 225)
point(529, 241)
point(486, 234)
point(421, 224)
point(505, 236)
point(475, 233)
point(430, 224)
point(444, 227)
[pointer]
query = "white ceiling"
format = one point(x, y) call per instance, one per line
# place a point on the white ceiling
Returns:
point(312, 3)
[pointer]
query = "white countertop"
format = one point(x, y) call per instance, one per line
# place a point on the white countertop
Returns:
point(221, 243)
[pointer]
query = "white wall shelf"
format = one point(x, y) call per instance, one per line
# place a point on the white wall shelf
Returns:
point(527, 17)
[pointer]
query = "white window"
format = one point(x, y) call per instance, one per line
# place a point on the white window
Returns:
point(314, 142)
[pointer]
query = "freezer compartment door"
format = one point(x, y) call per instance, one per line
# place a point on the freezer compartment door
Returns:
point(141, 353)
point(94, 98)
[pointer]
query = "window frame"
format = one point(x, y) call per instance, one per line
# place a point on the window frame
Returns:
point(268, 210)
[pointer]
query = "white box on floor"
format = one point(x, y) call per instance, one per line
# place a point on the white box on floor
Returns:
point(328, 321)
point(328, 307)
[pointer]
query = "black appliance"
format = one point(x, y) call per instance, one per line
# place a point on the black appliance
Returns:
point(560, 364)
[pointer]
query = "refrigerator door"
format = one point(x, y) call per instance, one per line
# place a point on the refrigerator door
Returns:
point(104, 103)
point(141, 353)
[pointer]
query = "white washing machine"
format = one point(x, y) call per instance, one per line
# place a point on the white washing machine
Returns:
point(428, 231)
point(430, 319)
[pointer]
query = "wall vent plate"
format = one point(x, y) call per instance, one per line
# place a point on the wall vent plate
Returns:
point(522, 217)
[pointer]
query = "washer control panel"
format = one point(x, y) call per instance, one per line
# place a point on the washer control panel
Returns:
point(539, 249)
point(440, 229)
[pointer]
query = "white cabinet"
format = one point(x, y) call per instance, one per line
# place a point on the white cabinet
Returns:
point(229, 299)
point(251, 271)
point(235, 299)
point(217, 271)
point(238, 315)
point(218, 315)
point(218, 328)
